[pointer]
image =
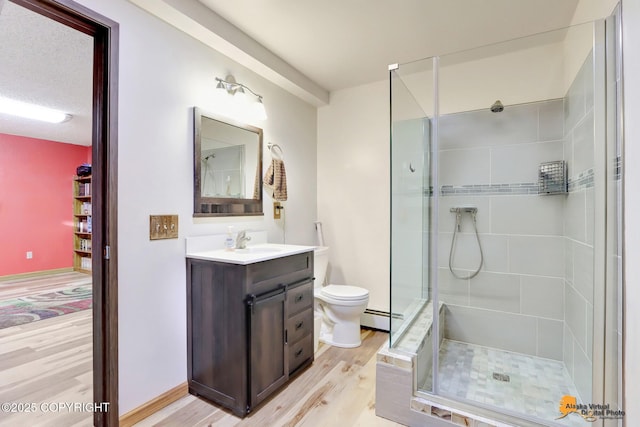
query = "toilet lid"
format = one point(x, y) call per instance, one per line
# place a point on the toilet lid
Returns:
point(344, 292)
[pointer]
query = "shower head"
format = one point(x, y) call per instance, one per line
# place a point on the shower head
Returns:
point(497, 107)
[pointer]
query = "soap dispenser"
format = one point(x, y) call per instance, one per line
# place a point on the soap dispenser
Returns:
point(228, 242)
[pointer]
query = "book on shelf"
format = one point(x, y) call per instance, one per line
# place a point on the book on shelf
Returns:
point(85, 208)
point(84, 245)
point(84, 226)
point(84, 189)
point(85, 263)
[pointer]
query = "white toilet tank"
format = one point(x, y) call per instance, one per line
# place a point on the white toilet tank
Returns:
point(320, 264)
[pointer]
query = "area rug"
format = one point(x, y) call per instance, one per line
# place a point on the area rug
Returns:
point(30, 308)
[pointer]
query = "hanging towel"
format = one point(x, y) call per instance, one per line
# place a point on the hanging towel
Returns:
point(257, 191)
point(275, 180)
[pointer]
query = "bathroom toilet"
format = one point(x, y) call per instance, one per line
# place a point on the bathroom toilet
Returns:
point(339, 305)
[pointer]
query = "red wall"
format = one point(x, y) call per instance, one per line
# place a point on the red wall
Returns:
point(36, 203)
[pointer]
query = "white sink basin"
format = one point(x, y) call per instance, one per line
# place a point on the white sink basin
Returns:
point(251, 254)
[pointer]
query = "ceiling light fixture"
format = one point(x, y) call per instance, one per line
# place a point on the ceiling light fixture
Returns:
point(32, 111)
point(238, 92)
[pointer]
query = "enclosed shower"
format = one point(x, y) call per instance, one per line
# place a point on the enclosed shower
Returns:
point(505, 228)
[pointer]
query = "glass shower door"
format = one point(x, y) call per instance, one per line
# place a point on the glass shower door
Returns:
point(410, 206)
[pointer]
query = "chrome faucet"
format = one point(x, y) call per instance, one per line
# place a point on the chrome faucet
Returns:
point(242, 239)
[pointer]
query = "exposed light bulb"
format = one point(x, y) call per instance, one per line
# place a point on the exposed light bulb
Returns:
point(32, 111)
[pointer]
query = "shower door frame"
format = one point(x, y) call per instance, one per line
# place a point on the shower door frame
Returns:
point(426, 163)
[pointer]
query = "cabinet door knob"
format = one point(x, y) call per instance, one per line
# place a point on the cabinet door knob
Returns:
point(299, 325)
point(298, 353)
point(299, 298)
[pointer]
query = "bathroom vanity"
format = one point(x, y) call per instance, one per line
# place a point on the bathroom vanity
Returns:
point(249, 322)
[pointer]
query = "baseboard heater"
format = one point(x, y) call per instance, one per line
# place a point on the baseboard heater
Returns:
point(376, 319)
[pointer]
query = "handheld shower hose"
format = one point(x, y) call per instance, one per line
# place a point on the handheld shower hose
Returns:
point(456, 229)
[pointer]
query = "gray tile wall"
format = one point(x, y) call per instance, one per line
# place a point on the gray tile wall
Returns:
point(534, 293)
point(491, 161)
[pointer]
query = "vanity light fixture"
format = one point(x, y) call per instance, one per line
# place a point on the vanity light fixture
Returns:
point(32, 111)
point(229, 88)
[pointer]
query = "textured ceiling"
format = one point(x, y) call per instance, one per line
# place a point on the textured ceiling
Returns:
point(47, 63)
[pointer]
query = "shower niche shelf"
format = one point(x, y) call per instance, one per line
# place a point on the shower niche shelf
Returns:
point(82, 224)
point(553, 178)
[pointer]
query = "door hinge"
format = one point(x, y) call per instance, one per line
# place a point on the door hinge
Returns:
point(107, 252)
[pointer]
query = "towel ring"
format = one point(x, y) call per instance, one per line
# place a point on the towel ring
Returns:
point(271, 146)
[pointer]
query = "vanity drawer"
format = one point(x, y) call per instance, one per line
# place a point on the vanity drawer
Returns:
point(300, 352)
point(268, 275)
point(300, 325)
point(300, 298)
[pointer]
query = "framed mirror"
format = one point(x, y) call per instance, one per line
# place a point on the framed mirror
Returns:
point(227, 160)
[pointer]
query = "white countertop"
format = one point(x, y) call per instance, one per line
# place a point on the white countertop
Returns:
point(253, 253)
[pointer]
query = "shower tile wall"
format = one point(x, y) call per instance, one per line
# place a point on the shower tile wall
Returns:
point(491, 161)
point(534, 294)
point(579, 230)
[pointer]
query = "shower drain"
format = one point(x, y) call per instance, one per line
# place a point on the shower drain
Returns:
point(501, 377)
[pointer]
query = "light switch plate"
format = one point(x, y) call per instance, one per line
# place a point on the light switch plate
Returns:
point(276, 210)
point(163, 227)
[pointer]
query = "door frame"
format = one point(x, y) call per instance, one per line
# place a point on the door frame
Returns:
point(105, 33)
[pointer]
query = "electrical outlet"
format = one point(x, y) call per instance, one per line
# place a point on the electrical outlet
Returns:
point(163, 227)
point(29, 255)
point(277, 207)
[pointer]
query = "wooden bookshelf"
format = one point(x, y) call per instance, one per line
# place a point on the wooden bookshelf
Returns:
point(82, 224)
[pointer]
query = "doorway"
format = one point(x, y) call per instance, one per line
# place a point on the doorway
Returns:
point(104, 33)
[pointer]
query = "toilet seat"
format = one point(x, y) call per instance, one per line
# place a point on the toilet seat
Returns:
point(345, 292)
point(342, 295)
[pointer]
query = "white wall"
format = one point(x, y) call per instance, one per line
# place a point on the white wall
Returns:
point(353, 188)
point(631, 41)
point(163, 73)
point(578, 42)
point(590, 10)
point(471, 83)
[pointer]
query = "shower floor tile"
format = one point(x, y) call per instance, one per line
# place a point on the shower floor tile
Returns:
point(534, 387)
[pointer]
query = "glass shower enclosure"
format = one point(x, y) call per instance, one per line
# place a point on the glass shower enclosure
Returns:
point(505, 200)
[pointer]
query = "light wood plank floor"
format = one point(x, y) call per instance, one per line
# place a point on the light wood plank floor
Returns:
point(25, 286)
point(337, 390)
point(47, 361)
point(51, 361)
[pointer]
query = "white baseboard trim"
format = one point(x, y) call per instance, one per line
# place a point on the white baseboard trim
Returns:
point(376, 319)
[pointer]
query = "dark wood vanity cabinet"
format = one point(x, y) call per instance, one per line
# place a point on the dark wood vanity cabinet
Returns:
point(249, 327)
